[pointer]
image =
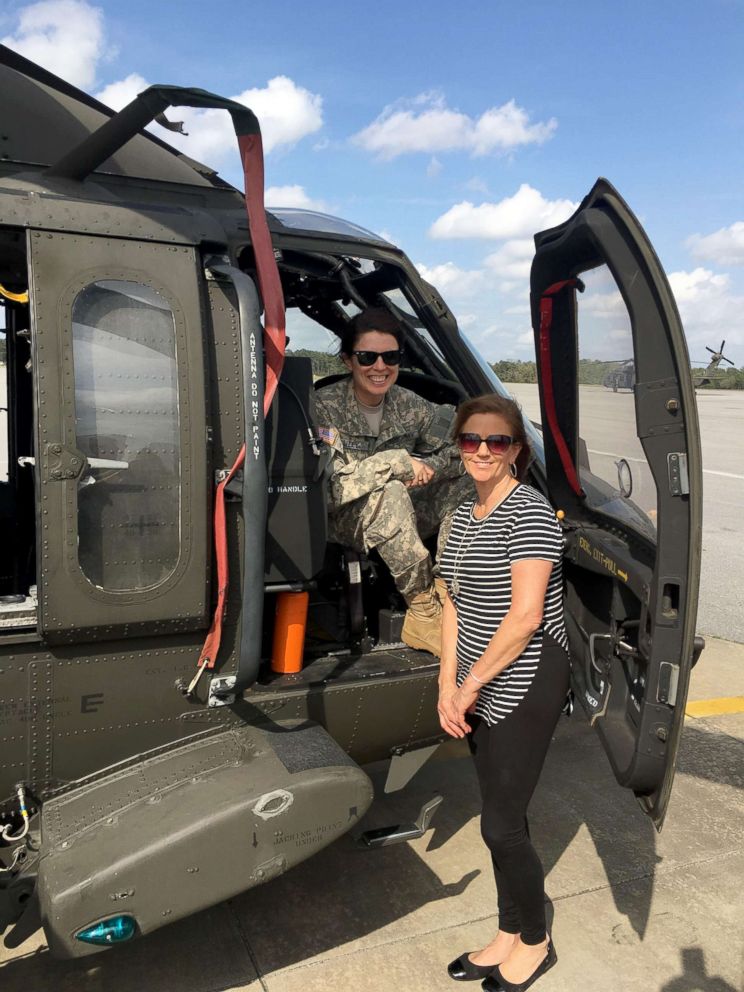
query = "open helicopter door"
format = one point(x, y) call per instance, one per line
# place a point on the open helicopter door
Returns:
point(625, 469)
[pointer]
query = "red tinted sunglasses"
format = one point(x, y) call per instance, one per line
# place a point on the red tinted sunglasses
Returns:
point(497, 444)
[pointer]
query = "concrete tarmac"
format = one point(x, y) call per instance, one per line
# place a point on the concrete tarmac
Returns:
point(607, 424)
point(630, 910)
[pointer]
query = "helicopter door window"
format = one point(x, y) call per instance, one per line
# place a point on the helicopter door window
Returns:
point(127, 426)
point(618, 480)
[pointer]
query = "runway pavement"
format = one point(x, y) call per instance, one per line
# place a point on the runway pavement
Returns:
point(630, 910)
point(608, 427)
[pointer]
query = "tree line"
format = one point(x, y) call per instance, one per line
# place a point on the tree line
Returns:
point(593, 373)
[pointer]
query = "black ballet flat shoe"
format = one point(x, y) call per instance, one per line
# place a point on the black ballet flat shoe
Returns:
point(497, 983)
point(462, 969)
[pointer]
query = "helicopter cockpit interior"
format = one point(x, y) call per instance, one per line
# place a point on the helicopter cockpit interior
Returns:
point(354, 608)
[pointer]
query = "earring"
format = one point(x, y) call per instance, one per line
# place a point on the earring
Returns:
point(513, 470)
point(462, 467)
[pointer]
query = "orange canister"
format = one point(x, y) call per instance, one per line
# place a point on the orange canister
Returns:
point(289, 632)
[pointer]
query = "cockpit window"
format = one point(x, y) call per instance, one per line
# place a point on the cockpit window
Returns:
point(400, 303)
point(317, 223)
point(127, 426)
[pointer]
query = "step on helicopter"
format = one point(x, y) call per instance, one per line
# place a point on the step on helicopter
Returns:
point(163, 495)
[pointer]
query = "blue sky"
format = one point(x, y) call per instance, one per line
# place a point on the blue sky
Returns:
point(459, 130)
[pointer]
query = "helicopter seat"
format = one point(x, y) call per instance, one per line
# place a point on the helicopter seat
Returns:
point(297, 510)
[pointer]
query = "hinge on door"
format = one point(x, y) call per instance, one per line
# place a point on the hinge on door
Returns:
point(679, 480)
point(63, 463)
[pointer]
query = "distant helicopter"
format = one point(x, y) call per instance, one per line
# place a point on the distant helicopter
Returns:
point(163, 521)
point(701, 377)
point(622, 373)
point(621, 376)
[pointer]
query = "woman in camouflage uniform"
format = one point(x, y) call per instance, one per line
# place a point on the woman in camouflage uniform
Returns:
point(396, 475)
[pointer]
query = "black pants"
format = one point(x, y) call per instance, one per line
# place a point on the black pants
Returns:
point(509, 757)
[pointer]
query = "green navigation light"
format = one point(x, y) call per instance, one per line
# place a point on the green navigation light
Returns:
point(114, 930)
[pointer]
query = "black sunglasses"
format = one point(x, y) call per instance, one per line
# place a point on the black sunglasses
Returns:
point(367, 358)
point(497, 444)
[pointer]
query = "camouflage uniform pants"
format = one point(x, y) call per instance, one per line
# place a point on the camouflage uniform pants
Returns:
point(393, 519)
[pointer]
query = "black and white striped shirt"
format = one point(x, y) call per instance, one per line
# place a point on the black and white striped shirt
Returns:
point(476, 565)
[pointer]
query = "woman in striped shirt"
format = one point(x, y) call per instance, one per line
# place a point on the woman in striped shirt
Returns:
point(504, 672)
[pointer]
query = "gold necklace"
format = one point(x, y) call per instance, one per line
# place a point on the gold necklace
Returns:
point(464, 548)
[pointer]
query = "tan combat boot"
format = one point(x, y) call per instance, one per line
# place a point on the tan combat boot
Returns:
point(422, 627)
point(440, 587)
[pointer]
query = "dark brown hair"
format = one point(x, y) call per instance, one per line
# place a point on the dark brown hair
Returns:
point(512, 414)
point(372, 319)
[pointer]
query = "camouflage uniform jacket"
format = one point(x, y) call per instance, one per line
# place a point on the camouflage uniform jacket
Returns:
point(361, 462)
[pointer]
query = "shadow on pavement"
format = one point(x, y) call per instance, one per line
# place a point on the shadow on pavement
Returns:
point(695, 977)
point(711, 755)
point(346, 894)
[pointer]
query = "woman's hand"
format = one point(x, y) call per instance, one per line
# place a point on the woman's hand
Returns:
point(422, 473)
point(453, 704)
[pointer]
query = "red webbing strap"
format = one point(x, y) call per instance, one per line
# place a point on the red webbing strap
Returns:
point(546, 368)
point(208, 655)
point(269, 283)
point(251, 153)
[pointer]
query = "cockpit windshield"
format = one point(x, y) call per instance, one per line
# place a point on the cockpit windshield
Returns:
point(318, 223)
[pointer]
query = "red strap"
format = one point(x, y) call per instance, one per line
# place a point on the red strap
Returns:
point(251, 153)
point(269, 283)
point(209, 652)
point(546, 368)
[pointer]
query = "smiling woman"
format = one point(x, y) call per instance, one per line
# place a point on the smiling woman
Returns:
point(504, 672)
point(395, 471)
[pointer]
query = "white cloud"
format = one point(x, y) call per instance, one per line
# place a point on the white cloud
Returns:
point(286, 112)
point(602, 304)
point(697, 286)
point(292, 196)
point(517, 216)
point(465, 320)
point(119, 94)
point(427, 124)
point(450, 279)
point(478, 185)
point(434, 167)
point(709, 310)
point(723, 247)
point(67, 37)
point(513, 259)
point(509, 339)
point(64, 36)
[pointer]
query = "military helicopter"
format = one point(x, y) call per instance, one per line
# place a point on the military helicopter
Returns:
point(701, 377)
point(621, 375)
point(165, 493)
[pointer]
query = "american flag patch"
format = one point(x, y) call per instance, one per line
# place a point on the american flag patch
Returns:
point(327, 434)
